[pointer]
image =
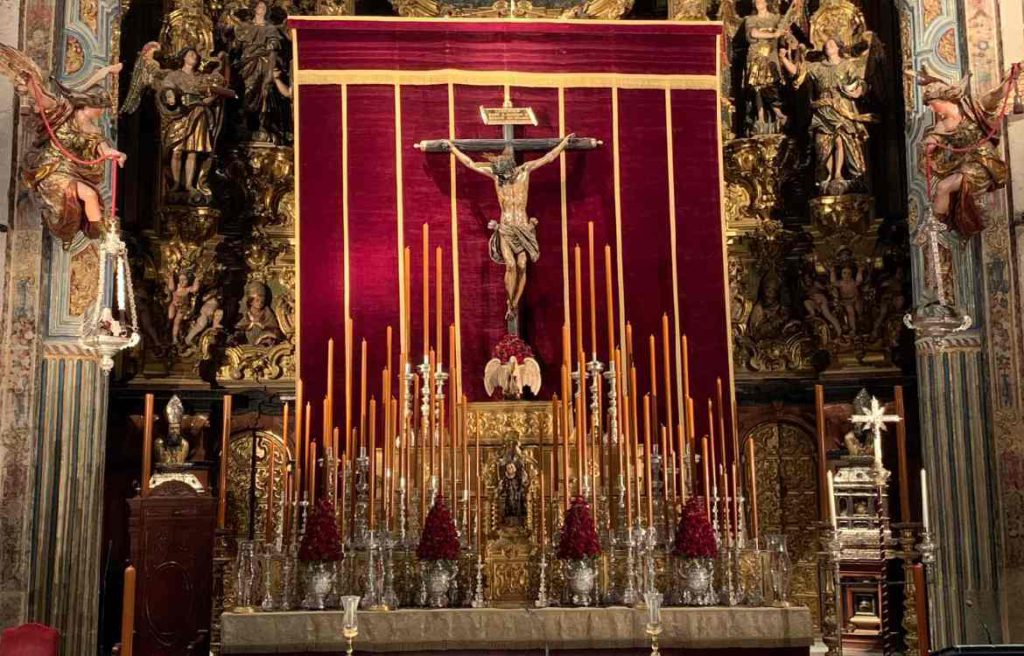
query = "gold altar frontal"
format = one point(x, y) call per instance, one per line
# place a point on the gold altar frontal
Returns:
point(516, 438)
point(782, 630)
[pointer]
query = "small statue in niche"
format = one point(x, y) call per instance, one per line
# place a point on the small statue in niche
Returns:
point(68, 192)
point(190, 99)
point(762, 76)
point(513, 486)
point(209, 318)
point(961, 148)
point(260, 48)
point(838, 127)
point(817, 300)
point(180, 293)
point(173, 450)
point(847, 286)
point(768, 317)
point(258, 325)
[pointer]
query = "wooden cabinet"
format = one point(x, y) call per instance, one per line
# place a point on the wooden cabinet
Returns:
point(171, 532)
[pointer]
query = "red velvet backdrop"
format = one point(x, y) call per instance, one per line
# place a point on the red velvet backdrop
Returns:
point(377, 59)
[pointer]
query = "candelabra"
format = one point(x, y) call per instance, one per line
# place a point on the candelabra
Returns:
point(371, 599)
point(288, 581)
point(389, 597)
point(271, 594)
point(360, 528)
point(629, 595)
point(542, 586)
point(246, 566)
point(831, 627)
point(908, 553)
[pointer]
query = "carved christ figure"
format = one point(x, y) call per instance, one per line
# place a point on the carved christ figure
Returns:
point(514, 238)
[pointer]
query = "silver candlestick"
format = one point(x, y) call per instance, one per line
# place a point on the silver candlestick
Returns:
point(478, 592)
point(542, 586)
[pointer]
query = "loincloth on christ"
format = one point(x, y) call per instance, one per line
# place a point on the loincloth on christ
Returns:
point(518, 239)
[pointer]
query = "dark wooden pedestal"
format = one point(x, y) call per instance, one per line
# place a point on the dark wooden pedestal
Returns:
point(171, 532)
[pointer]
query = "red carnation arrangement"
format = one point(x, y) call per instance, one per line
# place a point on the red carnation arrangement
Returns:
point(579, 537)
point(439, 540)
point(694, 536)
point(321, 541)
point(512, 346)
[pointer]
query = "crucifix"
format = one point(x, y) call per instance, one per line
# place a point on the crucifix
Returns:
point(875, 419)
point(513, 240)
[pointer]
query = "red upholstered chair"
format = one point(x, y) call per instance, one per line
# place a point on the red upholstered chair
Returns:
point(30, 640)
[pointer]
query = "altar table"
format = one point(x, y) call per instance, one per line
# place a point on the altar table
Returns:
point(740, 630)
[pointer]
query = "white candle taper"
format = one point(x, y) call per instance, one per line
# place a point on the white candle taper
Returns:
point(831, 500)
point(924, 498)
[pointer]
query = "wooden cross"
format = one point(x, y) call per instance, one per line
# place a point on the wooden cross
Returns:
point(508, 117)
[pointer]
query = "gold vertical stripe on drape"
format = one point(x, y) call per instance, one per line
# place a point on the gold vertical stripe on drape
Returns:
point(346, 283)
point(725, 251)
point(671, 168)
point(403, 321)
point(618, 215)
point(565, 217)
point(296, 158)
point(455, 365)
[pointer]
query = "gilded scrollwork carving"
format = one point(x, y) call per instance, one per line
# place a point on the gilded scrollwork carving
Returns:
point(567, 9)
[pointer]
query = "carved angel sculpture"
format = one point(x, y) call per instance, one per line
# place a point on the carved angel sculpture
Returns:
point(838, 127)
point(960, 149)
point(190, 100)
point(66, 168)
point(260, 47)
point(511, 377)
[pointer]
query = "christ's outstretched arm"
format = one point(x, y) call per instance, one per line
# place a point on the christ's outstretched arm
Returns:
point(482, 169)
point(549, 156)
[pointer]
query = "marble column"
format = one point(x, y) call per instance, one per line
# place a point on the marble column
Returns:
point(968, 381)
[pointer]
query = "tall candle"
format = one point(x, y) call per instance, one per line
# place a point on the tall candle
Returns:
point(311, 493)
point(593, 290)
point(406, 318)
point(147, 444)
point(297, 455)
point(581, 430)
point(438, 311)
point(833, 517)
point(350, 448)
point(707, 478)
point(372, 451)
point(128, 612)
point(663, 434)
point(685, 348)
point(735, 498)
point(653, 374)
point(268, 524)
point(901, 445)
point(711, 439)
point(577, 260)
point(222, 483)
point(289, 460)
point(565, 424)
point(542, 508)
point(924, 500)
point(608, 298)
point(819, 411)
point(479, 497)
point(426, 289)
point(329, 421)
point(648, 450)
point(721, 422)
point(666, 352)
point(362, 395)
point(726, 519)
point(752, 463)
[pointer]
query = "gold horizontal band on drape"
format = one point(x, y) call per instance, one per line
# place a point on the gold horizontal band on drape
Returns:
point(299, 20)
point(511, 78)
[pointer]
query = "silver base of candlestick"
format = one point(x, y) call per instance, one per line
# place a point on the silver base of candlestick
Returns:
point(542, 586)
point(478, 593)
point(629, 594)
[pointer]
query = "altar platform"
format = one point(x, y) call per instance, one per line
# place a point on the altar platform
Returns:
point(521, 631)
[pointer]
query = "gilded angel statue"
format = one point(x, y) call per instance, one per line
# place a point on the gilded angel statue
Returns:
point(66, 168)
point(960, 153)
point(190, 98)
point(512, 377)
point(839, 81)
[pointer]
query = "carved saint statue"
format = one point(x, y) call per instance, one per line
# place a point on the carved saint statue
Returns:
point(513, 486)
point(762, 76)
point(179, 304)
point(190, 100)
point(260, 48)
point(961, 148)
point(838, 127)
point(514, 239)
point(258, 325)
point(66, 168)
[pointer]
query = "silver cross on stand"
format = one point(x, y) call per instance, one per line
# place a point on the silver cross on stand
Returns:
point(875, 419)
